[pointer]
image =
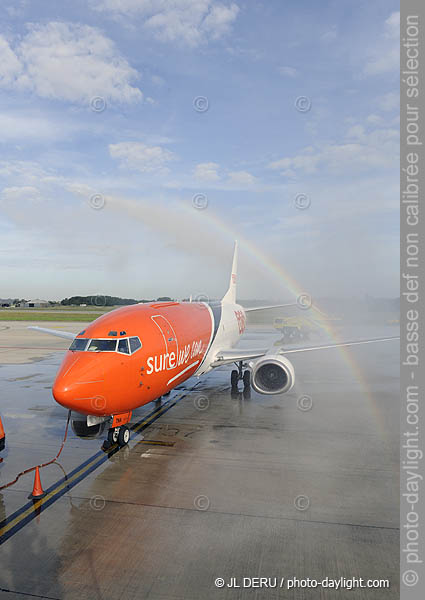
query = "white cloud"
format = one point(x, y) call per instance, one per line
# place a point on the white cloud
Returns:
point(375, 119)
point(68, 62)
point(329, 35)
point(17, 193)
point(23, 171)
point(361, 151)
point(158, 80)
point(242, 178)
point(385, 56)
point(392, 26)
point(288, 71)
point(140, 157)
point(390, 101)
point(10, 66)
point(190, 21)
point(20, 126)
point(207, 171)
point(357, 132)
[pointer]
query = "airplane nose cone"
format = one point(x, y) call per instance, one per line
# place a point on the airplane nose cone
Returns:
point(79, 384)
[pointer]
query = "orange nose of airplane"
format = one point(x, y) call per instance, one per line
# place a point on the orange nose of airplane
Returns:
point(79, 384)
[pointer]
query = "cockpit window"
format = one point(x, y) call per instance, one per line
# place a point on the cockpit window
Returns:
point(102, 346)
point(79, 344)
point(123, 346)
point(134, 344)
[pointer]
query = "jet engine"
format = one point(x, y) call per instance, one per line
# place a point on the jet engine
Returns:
point(272, 374)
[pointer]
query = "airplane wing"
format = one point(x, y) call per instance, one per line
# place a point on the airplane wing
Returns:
point(338, 345)
point(62, 334)
point(224, 357)
point(252, 308)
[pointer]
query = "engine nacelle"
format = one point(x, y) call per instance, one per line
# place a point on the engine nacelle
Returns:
point(272, 374)
point(82, 430)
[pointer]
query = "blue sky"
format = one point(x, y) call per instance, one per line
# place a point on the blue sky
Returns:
point(102, 99)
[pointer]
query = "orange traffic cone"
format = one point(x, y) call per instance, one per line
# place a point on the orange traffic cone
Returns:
point(2, 436)
point(37, 491)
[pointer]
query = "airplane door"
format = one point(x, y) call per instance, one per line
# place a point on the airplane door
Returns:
point(170, 339)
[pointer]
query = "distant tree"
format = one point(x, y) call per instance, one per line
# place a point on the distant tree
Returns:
point(97, 300)
point(163, 299)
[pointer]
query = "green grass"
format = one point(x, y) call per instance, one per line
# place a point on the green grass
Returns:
point(46, 315)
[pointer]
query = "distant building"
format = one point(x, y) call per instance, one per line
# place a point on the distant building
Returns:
point(35, 304)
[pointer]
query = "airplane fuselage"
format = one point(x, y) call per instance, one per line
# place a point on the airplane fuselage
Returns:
point(135, 354)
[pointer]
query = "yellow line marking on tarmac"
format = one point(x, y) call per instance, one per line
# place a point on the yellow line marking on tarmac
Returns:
point(156, 443)
point(38, 503)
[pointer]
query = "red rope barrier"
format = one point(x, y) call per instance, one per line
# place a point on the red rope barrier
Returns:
point(44, 464)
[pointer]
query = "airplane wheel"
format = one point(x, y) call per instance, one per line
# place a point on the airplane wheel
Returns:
point(234, 378)
point(247, 378)
point(124, 435)
point(113, 435)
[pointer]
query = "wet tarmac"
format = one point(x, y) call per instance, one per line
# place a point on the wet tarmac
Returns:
point(212, 485)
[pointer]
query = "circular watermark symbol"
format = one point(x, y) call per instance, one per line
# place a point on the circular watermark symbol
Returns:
point(98, 104)
point(302, 104)
point(304, 403)
point(97, 502)
point(410, 578)
point(201, 298)
point(201, 104)
point(201, 502)
point(302, 201)
point(97, 201)
point(219, 582)
point(302, 502)
point(304, 301)
point(200, 201)
point(98, 403)
point(201, 402)
point(98, 300)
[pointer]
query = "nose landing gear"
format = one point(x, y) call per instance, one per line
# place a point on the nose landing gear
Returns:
point(117, 435)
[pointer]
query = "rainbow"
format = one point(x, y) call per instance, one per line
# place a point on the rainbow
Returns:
point(290, 284)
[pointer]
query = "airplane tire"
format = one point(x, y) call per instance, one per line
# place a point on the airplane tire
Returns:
point(247, 378)
point(234, 378)
point(123, 436)
point(113, 435)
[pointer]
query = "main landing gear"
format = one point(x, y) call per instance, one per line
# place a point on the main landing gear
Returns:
point(240, 375)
